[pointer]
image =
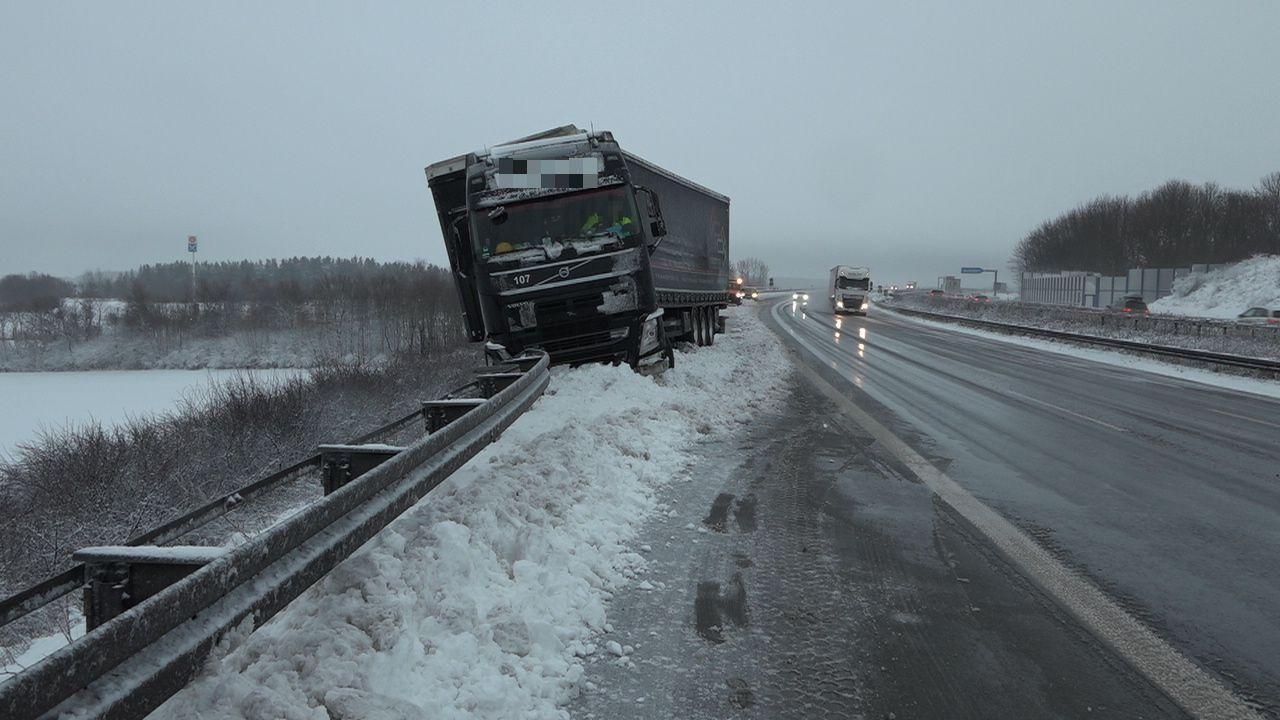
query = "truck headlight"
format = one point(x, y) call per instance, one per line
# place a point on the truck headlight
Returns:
point(839, 304)
point(649, 335)
point(864, 306)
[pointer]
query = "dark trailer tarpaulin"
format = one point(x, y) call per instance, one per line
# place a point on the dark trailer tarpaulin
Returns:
point(694, 255)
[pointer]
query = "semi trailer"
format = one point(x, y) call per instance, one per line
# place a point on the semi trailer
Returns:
point(563, 242)
point(850, 289)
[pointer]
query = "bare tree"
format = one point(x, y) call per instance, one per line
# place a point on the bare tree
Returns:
point(752, 270)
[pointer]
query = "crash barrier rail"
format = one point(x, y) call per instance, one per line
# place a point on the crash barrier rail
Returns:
point(135, 660)
point(1158, 322)
point(72, 579)
point(1206, 356)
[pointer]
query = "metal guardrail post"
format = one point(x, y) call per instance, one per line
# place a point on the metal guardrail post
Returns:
point(438, 413)
point(118, 578)
point(491, 383)
point(340, 464)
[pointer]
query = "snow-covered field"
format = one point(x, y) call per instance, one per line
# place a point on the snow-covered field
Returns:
point(263, 350)
point(35, 400)
point(1225, 292)
point(484, 599)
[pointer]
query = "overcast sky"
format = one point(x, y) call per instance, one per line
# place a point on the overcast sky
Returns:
point(910, 137)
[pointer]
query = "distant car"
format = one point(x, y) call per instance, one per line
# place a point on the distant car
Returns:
point(979, 298)
point(936, 293)
point(1259, 316)
point(1130, 305)
point(751, 293)
point(800, 296)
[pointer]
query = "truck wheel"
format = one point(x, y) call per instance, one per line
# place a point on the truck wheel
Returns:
point(699, 327)
point(711, 324)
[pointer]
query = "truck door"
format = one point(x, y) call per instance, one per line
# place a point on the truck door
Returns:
point(450, 194)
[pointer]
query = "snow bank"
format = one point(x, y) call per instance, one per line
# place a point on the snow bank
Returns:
point(483, 600)
point(1225, 292)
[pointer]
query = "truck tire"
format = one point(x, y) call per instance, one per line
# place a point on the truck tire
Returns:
point(699, 327)
point(711, 324)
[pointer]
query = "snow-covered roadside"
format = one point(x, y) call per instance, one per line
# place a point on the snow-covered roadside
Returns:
point(1226, 292)
point(1255, 386)
point(483, 600)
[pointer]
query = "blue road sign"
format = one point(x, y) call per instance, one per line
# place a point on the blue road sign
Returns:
point(971, 270)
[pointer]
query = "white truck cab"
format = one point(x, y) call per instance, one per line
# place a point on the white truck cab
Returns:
point(850, 289)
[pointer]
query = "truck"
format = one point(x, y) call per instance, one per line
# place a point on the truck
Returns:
point(564, 242)
point(850, 289)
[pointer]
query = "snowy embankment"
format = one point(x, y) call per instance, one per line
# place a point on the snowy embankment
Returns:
point(1225, 292)
point(485, 598)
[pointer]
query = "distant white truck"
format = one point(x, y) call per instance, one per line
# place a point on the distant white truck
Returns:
point(850, 289)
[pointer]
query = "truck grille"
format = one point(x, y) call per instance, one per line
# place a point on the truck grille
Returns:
point(572, 309)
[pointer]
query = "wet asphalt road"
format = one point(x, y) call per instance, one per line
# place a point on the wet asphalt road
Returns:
point(805, 573)
point(1166, 493)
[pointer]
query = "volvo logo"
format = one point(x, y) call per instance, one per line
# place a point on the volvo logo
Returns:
point(564, 271)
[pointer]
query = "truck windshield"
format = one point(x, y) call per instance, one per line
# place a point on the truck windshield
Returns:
point(845, 283)
point(597, 214)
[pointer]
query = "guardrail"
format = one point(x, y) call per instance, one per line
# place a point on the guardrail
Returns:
point(1155, 322)
point(134, 661)
point(1224, 359)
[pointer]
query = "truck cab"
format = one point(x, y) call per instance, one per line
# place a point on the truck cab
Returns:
point(849, 289)
point(559, 242)
point(549, 248)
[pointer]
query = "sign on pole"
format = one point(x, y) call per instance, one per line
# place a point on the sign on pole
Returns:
point(191, 243)
point(971, 270)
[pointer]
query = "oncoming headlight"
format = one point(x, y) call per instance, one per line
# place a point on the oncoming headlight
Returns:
point(840, 304)
point(864, 306)
point(804, 296)
point(795, 296)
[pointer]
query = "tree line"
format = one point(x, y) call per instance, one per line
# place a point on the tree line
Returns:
point(1175, 225)
point(385, 307)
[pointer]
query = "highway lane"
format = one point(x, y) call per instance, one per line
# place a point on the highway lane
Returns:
point(1166, 493)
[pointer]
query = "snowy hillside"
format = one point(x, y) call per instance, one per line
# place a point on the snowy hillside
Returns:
point(1226, 292)
point(486, 598)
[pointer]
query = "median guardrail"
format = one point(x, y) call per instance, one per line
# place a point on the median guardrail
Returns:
point(1165, 351)
point(134, 661)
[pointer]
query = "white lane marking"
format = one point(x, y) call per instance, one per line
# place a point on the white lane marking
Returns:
point(1103, 423)
point(1245, 417)
point(1198, 692)
point(1195, 378)
point(1050, 405)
